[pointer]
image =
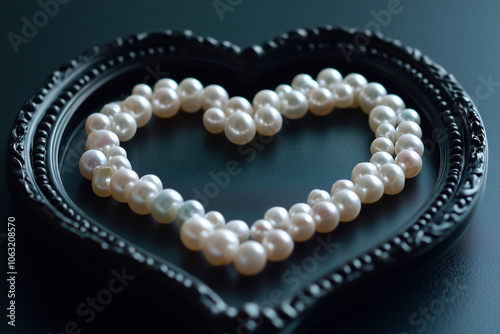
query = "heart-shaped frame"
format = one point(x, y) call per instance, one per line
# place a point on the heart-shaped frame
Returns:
point(46, 141)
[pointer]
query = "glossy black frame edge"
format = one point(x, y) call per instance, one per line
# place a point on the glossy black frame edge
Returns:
point(459, 189)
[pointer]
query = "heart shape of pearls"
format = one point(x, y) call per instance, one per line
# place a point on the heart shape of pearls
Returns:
point(397, 131)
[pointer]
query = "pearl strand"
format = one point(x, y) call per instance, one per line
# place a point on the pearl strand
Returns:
point(397, 131)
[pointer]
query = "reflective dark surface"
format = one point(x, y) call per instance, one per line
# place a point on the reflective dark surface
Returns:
point(50, 290)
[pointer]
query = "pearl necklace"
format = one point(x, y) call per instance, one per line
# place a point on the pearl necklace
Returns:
point(397, 131)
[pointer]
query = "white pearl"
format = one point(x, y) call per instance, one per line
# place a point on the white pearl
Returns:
point(326, 216)
point(340, 185)
point(304, 83)
point(195, 232)
point(101, 139)
point(264, 98)
point(343, 95)
point(410, 162)
point(250, 258)
point(408, 142)
point(369, 189)
point(188, 209)
point(240, 128)
point(97, 121)
point(348, 204)
point(216, 218)
point(214, 96)
point(407, 127)
point(111, 109)
point(302, 227)
point(121, 182)
point(190, 93)
point(214, 120)
point(89, 161)
point(166, 82)
point(408, 115)
point(278, 217)
point(381, 158)
point(118, 162)
point(356, 81)
point(317, 195)
point(139, 107)
point(142, 89)
point(165, 206)
point(238, 103)
point(282, 90)
point(299, 207)
point(385, 130)
point(260, 228)
point(370, 95)
point(321, 102)
point(165, 102)
point(382, 144)
point(363, 168)
point(153, 179)
point(140, 197)
point(125, 126)
point(380, 115)
point(392, 101)
point(101, 180)
point(278, 245)
point(393, 178)
point(240, 228)
point(221, 247)
point(293, 105)
point(268, 121)
point(328, 78)
point(116, 151)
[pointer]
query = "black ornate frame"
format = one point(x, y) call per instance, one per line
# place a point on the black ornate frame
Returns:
point(31, 163)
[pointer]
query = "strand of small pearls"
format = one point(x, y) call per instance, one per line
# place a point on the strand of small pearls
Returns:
point(397, 131)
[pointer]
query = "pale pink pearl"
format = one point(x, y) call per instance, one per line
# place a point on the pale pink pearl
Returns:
point(142, 89)
point(302, 227)
point(89, 161)
point(119, 162)
point(407, 142)
point(220, 247)
point(321, 102)
point(100, 181)
point(348, 203)
point(393, 178)
point(340, 185)
point(195, 231)
point(139, 107)
point(101, 140)
point(326, 216)
point(121, 182)
point(299, 207)
point(140, 196)
point(97, 121)
point(410, 162)
point(216, 218)
point(382, 144)
point(165, 102)
point(250, 258)
point(369, 189)
point(317, 195)
point(260, 229)
point(240, 228)
point(238, 103)
point(153, 179)
point(363, 168)
point(278, 245)
point(278, 217)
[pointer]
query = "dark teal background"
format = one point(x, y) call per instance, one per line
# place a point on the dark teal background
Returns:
point(459, 35)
